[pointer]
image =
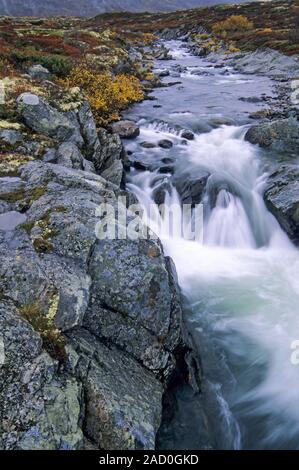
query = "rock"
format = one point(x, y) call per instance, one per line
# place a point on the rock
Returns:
point(191, 187)
point(88, 128)
point(46, 405)
point(125, 129)
point(122, 399)
point(69, 156)
point(282, 199)
point(109, 149)
point(166, 169)
point(114, 173)
point(46, 120)
point(39, 72)
point(133, 280)
point(160, 191)
point(10, 220)
point(265, 62)
point(186, 134)
point(165, 144)
point(10, 136)
point(162, 72)
point(281, 135)
point(148, 145)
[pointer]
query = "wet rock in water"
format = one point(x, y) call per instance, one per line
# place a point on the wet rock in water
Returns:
point(162, 72)
point(221, 121)
point(186, 134)
point(191, 187)
point(280, 135)
point(160, 192)
point(148, 145)
point(125, 129)
point(167, 160)
point(46, 120)
point(166, 169)
point(282, 199)
point(39, 72)
point(165, 144)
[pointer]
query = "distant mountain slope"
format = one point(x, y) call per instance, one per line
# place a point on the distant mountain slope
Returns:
point(94, 7)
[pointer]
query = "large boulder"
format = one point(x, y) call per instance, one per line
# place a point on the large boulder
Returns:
point(107, 310)
point(282, 199)
point(281, 135)
point(122, 399)
point(46, 120)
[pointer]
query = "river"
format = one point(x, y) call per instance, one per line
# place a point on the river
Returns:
point(241, 281)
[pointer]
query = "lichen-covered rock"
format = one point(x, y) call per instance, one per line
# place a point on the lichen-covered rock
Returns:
point(10, 136)
point(91, 326)
point(282, 199)
point(40, 408)
point(281, 135)
point(44, 119)
point(122, 399)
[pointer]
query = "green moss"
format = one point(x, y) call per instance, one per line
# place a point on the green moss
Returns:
point(41, 245)
point(44, 324)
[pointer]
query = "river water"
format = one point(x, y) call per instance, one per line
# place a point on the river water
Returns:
point(241, 281)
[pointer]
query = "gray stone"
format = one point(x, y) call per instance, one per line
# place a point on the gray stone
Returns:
point(46, 120)
point(39, 72)
point(123, 400)
point(281, 135)
point(165, 144)
point(125, 129)
point(114, 173)
point(282, 199)
point(46, 405)
point(11, 136)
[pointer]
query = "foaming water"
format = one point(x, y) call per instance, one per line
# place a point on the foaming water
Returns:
point(242, 283)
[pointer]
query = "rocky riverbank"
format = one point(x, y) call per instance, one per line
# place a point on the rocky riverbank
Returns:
point(92, 330)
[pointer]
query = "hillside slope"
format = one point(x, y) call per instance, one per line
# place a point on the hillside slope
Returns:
point(93, 7)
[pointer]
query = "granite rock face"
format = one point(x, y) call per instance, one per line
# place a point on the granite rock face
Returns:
point(282, 199)
point(90, 325)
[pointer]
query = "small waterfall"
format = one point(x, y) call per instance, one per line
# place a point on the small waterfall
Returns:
point(241, 281)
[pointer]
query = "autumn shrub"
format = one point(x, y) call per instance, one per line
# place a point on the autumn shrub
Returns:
point(232, 25)
point(107, 94)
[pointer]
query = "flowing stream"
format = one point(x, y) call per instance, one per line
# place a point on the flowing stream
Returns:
point(241, 281)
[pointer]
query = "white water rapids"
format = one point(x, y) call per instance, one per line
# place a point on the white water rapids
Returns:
point(242, 284)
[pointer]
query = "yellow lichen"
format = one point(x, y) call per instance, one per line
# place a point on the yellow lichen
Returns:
point(43, 323)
